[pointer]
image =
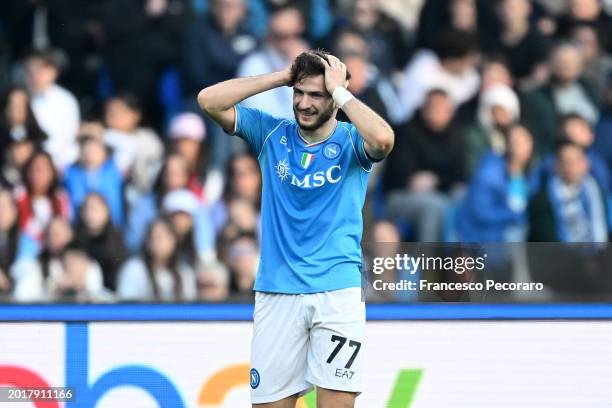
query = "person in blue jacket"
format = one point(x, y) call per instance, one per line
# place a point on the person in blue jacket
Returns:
point(575, 129)
point(494, 208)
point(96, 171)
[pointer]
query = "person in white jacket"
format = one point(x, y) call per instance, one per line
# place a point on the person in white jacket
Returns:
point(158, 274)
point(55, 108)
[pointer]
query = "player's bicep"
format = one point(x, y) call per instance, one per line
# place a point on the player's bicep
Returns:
point(359, 144)
point(225, 118)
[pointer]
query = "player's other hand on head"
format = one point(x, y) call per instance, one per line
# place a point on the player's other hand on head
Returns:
point(335, 73)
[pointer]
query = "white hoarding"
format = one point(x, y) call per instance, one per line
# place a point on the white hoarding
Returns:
point(408, 364)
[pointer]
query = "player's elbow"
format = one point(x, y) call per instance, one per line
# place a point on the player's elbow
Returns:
point(206, 100)
point(386, 140)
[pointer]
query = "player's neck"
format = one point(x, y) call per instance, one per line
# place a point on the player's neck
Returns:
point(321, 133)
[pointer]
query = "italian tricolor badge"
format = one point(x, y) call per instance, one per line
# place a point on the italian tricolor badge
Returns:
point(307, 158)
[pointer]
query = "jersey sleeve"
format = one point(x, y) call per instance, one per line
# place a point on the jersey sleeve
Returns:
point(254, 126)
point(364, 159)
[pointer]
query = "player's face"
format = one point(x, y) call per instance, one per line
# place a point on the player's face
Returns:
point(312, 104)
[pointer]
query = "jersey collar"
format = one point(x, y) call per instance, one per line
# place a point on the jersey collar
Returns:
point(320, 141)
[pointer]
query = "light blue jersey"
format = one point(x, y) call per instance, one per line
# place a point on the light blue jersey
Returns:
point(312, 199)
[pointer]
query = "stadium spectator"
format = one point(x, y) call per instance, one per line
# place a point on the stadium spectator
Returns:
point(158, 274)
point(366, 83)
point(147, 34)
point(603, 131)
point(96, 171)
point(464, 15)
point(439, 15)
point(386, 241)
point(565, 92)
point(597, 64)
point(389, 44)
point(243, 181)
point(577, 130)
point(495, 71)
point(451, 66)
point(587, 13)
point(139, 150)
point(187, 134)
point(494, 207)
point(62, 271)
point(215, 45)
point(213, 282)
point(54, 107)
point(283, 43)
point(243, 219)
point(20, 134)
point(498, 108)
point(425, 166)
point(520, 42)
point(570, 206)
point(9, 238)
point(242, 261)
point(192, 225)
point(174, 176)
point(81, 278)
point(98, 236)
point(242, 216)
point(41, 198)
point(31, 275)
point(317, 15)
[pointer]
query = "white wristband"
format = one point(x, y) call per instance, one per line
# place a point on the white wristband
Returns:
point(341, 96)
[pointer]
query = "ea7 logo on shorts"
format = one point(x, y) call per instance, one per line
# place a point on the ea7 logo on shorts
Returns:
point(344, 373)
point(332, 175)
point(254, 378)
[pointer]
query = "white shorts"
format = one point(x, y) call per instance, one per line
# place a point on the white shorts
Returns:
point(302, 341)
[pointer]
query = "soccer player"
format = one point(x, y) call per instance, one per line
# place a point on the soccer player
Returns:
point(309, 314)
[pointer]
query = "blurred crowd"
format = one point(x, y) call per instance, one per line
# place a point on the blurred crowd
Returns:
point(115, 187)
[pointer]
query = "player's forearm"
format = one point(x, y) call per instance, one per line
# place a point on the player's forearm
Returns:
point(376, 132)
point(225, 95)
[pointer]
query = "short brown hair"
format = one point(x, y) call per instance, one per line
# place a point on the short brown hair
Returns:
point(48, 57)
point(308, 64)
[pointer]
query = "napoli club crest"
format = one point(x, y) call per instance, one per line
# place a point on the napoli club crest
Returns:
point(331, 150)
point(254, 374)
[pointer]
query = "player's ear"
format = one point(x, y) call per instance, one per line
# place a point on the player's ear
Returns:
point(346, 84)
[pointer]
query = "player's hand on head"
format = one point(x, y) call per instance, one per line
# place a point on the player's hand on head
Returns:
point(335, 73)
point(287, 74)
